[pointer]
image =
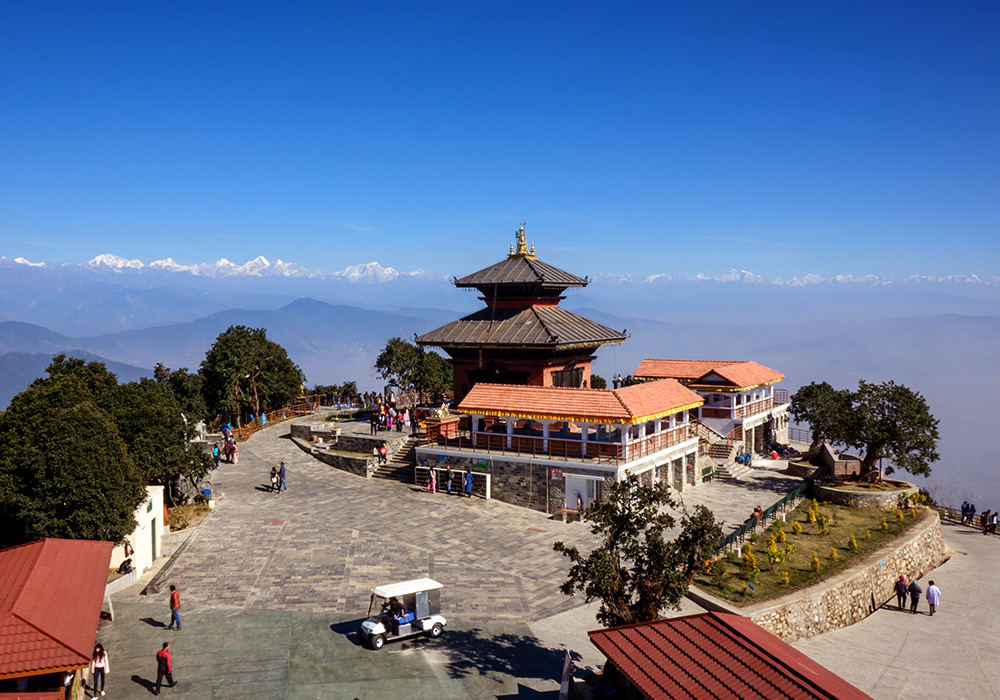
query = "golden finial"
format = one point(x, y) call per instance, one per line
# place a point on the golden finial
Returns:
point(522, 246)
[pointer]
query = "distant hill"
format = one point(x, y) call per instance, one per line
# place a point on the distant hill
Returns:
point(19, 369)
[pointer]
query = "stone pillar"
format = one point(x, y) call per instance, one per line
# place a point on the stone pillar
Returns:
point(510, 430)
point(545, 435)
point(584, 428)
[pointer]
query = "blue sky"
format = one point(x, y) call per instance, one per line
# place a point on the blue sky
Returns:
point(652, 138)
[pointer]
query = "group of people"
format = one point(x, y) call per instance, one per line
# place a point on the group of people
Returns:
point(915, 591)
point(386, 417)
point(466, 479)
point(229, 451)
point(278, 479)
point(100, 666)
point(987, 520)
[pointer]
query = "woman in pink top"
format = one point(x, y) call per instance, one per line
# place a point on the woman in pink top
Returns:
point(99, 668)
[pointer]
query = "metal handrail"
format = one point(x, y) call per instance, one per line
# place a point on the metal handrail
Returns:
point(751, 524)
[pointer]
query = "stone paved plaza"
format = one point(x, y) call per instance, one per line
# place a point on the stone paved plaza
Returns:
point(274, 586)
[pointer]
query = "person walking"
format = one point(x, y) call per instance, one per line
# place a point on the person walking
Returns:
point(99, 668)
point(175, 608)
point(933, 596)
point(274, 479)
point(164, 668)
point(281, 477)
point(468, 483)
point(448, 477)
point(901, 592)
point(915, 591)
point(216, 455)
point(431, 481)
point(965, 511)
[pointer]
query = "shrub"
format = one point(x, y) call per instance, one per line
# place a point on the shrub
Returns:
point(796, 528)
point(749, 566)
point(868, 534)
point(815, 562)
point(811, 515)
point(885, 525)
point(899, 515)
point(833, 553)
point(783, 577)
point(732, 557)
point(824, 524)
point(852, 543)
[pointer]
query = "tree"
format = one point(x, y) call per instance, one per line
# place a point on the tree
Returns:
point(825, 410)
point(894, 422)
point(413, 368)
point(187, 388)
point(64, 469)
point(635, 572)
point(598, 382)
point(245, 373)
point(156, 434)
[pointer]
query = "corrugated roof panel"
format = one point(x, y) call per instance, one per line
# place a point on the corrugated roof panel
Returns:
point(532, 327)
point(518, 271)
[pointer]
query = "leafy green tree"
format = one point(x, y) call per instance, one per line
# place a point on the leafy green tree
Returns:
point(246, 373)
point(635, 571)
point(187, 388)
point(157, 437)
point(64, 469)
point(827, 412)
point(894, 422)
point(598, 382)
point(413, 368)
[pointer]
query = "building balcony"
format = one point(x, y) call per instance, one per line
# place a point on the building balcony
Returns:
point(571, 449)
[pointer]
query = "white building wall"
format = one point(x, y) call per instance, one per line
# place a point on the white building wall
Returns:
point(147, 537)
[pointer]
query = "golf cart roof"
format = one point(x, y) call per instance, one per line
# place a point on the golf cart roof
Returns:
point(406, 587)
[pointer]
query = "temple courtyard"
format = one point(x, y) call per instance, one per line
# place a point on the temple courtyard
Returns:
point(273, 588)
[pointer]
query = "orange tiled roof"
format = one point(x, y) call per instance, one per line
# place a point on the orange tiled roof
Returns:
point(50, 603)
point(633, 404)
point(740, 374)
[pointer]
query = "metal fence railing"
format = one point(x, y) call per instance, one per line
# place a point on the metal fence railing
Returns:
point(750, 525)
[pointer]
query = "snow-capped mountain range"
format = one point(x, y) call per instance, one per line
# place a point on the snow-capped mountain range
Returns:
point(373, 272)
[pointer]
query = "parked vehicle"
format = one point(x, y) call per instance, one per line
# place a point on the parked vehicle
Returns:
point(400, 610)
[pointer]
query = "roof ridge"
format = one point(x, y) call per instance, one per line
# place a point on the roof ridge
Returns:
point(541, 320)
point(50, 636)
point(622, 401)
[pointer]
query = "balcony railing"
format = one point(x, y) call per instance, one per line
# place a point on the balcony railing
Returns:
point(751, 409)
point(572, 449)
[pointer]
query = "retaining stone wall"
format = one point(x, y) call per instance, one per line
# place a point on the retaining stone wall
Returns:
point(847, 598)
point(361, 466)
point(519, 483)
point(884, 500)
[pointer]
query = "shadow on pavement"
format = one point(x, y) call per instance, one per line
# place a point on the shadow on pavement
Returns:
point(526, 693)
point(145, 683)
point(153, 622)
point(349, 630)
point(474, 652)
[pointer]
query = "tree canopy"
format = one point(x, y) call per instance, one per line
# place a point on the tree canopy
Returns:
point(636, 572)
point(65, 470)
point(886, 420)
point(413, 368)
point(245, 373)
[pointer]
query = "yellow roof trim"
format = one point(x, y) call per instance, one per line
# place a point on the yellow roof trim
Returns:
point(730, 389)
point(653, 416)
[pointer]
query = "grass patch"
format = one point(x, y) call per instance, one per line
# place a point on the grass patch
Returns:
point(827, 533)
point(186, 515)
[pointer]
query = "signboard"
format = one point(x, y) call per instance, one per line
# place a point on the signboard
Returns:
point(149, 505)
point(564, 685)
point(557, 474)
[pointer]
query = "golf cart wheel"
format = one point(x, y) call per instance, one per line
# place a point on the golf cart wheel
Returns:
point(378, 641)
point(436, 630)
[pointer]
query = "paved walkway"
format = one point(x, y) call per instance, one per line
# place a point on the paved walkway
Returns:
point(955, 654)
point(273, 587)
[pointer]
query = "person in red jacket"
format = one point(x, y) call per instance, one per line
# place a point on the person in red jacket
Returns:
point(175, 607)
point(164, 669)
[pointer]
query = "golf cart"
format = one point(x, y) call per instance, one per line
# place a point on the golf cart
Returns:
point(400, 610)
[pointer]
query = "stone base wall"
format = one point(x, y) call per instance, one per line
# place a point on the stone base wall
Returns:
point(309, 431)
point(850, 596)
point(803, 469)
point(525, 484)
point(361, 466)
point(863, 499)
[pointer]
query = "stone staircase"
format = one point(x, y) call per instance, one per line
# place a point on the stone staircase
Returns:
point(730, 470)
point(401, 463)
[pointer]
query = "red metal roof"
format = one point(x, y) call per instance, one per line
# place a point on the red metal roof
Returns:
point(632, 404)
point(735, 374)
point(717, 655)
point(50, 604)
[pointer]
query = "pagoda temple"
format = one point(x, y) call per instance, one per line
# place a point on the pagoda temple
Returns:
point(522, 337)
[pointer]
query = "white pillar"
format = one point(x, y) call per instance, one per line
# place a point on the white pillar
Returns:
point(510, 430)
point(545, 435)
point(584, 427)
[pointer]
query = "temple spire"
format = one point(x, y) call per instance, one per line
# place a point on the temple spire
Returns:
point(522, 247)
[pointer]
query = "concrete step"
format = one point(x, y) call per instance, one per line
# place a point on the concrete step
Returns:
point(731, 471)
